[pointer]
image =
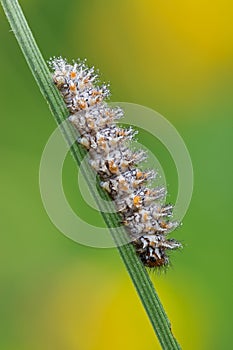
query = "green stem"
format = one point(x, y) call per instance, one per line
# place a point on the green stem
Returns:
point(133, 264)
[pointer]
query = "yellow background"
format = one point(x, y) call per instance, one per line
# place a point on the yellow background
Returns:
point(175, 57)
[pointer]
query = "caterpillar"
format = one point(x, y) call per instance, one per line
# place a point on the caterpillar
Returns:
point(147, 221)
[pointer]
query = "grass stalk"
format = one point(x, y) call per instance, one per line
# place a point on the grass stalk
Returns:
point(135, 268)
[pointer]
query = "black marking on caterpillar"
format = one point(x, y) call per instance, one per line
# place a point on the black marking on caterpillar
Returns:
point(147, 221)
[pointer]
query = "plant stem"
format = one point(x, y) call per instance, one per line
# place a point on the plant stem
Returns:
point(133, 264)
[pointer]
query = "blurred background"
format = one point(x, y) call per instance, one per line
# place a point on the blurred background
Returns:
point(172, 56)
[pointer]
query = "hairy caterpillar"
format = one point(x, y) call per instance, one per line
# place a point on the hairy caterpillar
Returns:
point(147, 221)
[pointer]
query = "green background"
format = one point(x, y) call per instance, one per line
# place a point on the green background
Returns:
point(175, 57)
